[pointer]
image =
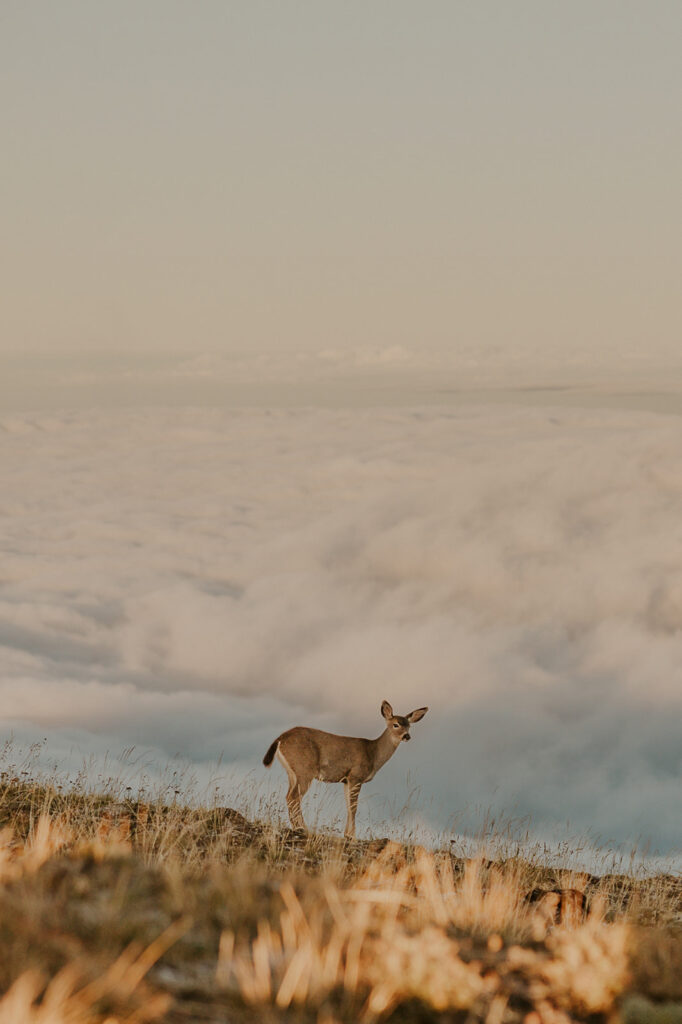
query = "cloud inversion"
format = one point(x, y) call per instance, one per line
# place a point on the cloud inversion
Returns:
point(197, 581)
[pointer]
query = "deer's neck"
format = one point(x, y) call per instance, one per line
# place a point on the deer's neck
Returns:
point(384, 747)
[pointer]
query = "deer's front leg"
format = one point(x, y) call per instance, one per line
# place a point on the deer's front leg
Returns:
point(352, 793)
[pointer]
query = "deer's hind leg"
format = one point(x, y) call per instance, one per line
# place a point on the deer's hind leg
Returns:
point(298, 787)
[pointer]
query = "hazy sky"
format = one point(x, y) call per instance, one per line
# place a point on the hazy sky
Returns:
point(337, 231)
point(331, 176)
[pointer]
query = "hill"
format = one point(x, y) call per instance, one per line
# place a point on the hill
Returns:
point(123, 911)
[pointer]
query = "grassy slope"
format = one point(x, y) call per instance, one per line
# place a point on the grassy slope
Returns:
point(145, 912)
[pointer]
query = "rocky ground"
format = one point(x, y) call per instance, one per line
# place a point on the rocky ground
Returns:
point(123, 911)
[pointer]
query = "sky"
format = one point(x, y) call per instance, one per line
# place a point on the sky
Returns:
point(491, 182)
point(340, 361)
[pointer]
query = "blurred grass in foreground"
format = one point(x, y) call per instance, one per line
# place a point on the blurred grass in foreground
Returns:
point(129, 910)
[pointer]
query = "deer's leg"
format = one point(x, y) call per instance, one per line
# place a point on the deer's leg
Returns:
point(298, 787)
point(294, 806)
point(352, 792)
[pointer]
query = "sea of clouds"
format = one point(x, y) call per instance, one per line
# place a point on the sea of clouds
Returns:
point(191, 582)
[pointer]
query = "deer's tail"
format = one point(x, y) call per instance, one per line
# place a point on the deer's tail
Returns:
point(272, 750)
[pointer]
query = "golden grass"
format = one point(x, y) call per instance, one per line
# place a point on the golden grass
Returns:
point(410, 933)
point(127, 911)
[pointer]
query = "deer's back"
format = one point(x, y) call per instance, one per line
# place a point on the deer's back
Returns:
point(324, 755)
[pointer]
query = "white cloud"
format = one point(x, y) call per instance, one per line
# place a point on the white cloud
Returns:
point(196, 581)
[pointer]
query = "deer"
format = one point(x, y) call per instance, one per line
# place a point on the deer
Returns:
point(308, 754)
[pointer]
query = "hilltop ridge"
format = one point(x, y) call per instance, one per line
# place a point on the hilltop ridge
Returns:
point(121, 910)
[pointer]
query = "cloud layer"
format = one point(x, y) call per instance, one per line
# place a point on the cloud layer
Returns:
point(196, 581)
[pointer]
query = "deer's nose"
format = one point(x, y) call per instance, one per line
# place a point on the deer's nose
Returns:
point(406, 736)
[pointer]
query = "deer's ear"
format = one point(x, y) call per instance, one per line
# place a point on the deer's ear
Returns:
point(386, 709)
point(415, 716)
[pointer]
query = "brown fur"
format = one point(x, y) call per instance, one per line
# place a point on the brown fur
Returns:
point(309, 754)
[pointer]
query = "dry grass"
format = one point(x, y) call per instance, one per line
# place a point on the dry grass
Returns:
point(120, 910)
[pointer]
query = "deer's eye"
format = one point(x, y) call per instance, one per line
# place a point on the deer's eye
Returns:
point(395, 725)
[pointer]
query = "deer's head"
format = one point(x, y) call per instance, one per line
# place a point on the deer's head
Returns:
point(399, 725)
